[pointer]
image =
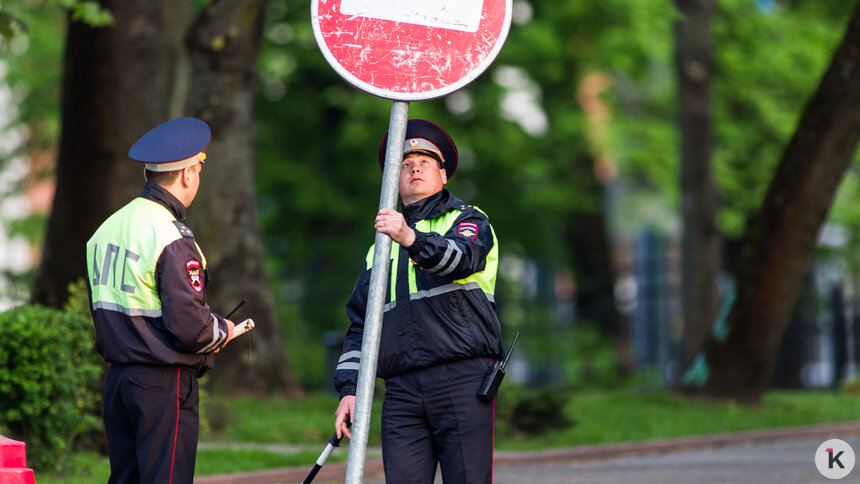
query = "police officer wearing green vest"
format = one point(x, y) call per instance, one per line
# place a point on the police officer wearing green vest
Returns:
point(440, 331)
point(147, 280)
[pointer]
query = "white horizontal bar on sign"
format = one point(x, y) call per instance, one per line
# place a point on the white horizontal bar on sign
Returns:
point(462, 15)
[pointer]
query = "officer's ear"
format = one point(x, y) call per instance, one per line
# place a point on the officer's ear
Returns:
point(187, 176)
point(444, 174)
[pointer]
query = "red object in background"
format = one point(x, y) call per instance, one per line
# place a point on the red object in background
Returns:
point(13, 463)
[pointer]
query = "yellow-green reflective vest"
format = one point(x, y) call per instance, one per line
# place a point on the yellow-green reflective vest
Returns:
point(122, 257)
point(485, 279)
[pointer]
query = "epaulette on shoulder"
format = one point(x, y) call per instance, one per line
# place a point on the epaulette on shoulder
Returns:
point(464, 207)
point(183, 229)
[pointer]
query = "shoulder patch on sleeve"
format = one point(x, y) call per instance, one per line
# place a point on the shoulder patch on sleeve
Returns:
point(468, 230)
point(183, 229)
point(195, 278)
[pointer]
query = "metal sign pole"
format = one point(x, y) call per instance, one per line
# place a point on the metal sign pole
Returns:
point(375, 300)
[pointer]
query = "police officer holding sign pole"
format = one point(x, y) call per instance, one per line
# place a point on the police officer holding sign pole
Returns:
point(147, 281)
point(440, 331)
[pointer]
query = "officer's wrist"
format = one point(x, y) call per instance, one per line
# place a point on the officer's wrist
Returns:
point(347, 390)
point(417, 243)
point(409, 240)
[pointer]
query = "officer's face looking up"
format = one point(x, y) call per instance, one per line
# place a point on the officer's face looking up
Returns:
point(420, 177)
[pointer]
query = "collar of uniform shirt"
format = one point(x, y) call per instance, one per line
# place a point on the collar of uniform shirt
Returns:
point(426, 207)
point(157, 193)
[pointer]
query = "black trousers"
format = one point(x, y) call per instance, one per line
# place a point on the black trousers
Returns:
point(152, 423)
point(432, 416)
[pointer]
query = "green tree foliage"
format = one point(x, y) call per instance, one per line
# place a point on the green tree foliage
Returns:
point(315, 182)
point(783, 235)
point(31, 41)
point(769, 63)
point(87, 11)
point(317, 177)
point(34, 69)
point(519, 127)
point(10, 26)
point(318, 180)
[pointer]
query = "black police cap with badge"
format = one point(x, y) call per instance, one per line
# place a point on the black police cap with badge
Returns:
point(422, 136)
point(173, 145)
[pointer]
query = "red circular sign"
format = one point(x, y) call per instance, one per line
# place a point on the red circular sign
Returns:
point(410, 50)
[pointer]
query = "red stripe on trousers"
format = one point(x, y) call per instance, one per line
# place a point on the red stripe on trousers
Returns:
point(176, 432)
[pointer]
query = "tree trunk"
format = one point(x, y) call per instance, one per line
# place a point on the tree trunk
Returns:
point(591, 255)
point(782, 236)
point(224, 44)
point(117, 83)
point(700, 240)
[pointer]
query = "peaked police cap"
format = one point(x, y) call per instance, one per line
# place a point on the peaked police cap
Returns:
point(172, 145)
point(423, 136)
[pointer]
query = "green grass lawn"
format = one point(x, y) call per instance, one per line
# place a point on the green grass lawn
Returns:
point(595, 418)
point(309, 421)
point(600, 418)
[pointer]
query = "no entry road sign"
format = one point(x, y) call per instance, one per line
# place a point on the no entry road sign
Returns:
point(410, 50)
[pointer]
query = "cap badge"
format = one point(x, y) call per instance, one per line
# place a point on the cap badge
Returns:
point(413, 142)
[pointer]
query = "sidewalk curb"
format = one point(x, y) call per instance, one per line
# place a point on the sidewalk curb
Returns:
point(373, 468)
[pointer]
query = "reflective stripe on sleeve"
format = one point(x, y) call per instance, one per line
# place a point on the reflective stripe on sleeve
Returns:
point(457, 257)
point(343, 364)
point(348, 355)
point(218, 336)
point(449, 252)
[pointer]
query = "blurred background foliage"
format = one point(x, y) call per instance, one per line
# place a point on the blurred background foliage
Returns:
point(518, 127)
point(591, 77)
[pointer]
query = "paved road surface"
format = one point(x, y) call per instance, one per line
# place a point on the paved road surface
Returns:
point(755, 457)
point(787, 461)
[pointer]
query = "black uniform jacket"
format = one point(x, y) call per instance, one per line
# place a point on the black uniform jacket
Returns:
point(187, 331)
point(442, 322)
